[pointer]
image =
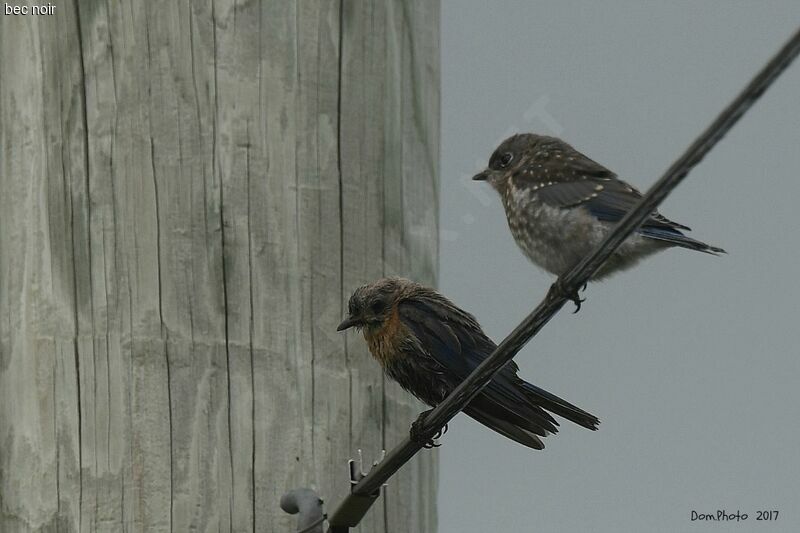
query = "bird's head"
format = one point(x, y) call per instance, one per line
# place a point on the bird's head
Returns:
point(371, 305)
point(508, 157)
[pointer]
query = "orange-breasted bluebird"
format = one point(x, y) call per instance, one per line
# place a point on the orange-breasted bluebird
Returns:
point(560, 204)
point(428, 345)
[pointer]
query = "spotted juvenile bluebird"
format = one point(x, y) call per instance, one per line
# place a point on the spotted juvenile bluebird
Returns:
point(560, 204)
point(428, 345)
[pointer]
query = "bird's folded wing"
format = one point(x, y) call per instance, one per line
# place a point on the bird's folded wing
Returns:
point(563, 177)
point(455, 341)
point(605, 197)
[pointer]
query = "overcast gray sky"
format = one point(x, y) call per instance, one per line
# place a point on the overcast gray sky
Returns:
point(690, 361)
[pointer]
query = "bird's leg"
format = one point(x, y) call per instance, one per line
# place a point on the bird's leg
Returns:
point(418, 434)
point(570, 295)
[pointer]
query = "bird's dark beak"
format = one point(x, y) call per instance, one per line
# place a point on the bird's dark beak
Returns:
point(480, 176)
point(347, 323)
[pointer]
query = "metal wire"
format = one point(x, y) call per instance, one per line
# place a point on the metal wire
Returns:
point(352, 509)
point(316, 523)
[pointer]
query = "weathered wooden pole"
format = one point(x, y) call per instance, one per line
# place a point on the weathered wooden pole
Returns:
point(189, 191)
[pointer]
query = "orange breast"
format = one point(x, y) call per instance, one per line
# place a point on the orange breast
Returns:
point(384, 341)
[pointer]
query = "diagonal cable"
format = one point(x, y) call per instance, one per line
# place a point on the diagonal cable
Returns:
point(356, 504)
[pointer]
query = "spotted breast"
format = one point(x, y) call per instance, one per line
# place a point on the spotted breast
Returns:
point(554, 239)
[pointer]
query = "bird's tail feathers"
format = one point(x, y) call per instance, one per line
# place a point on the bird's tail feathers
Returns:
point(561, 407)
point(507, 429)
point(679, 239)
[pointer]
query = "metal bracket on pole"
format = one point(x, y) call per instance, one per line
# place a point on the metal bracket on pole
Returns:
point(357, 474)
point(352, 515)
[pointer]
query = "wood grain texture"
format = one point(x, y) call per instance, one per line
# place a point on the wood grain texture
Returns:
point(189, 192)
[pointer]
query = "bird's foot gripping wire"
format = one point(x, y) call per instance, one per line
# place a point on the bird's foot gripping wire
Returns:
point(419, 435)
point(571, 295)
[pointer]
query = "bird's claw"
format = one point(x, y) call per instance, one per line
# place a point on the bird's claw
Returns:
point(418, 434)
point(571, 295)
point(577, 301)
point(432, 443)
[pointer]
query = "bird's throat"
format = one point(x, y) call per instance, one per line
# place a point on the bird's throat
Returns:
point(383, 340)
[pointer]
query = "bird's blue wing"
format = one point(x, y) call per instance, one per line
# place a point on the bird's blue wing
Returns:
point(452, 338)
point(563, 177)
point(606, 199)
point(455, 341)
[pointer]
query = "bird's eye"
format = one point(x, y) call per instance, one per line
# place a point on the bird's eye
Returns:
point(377, 307)
point(505, 159)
